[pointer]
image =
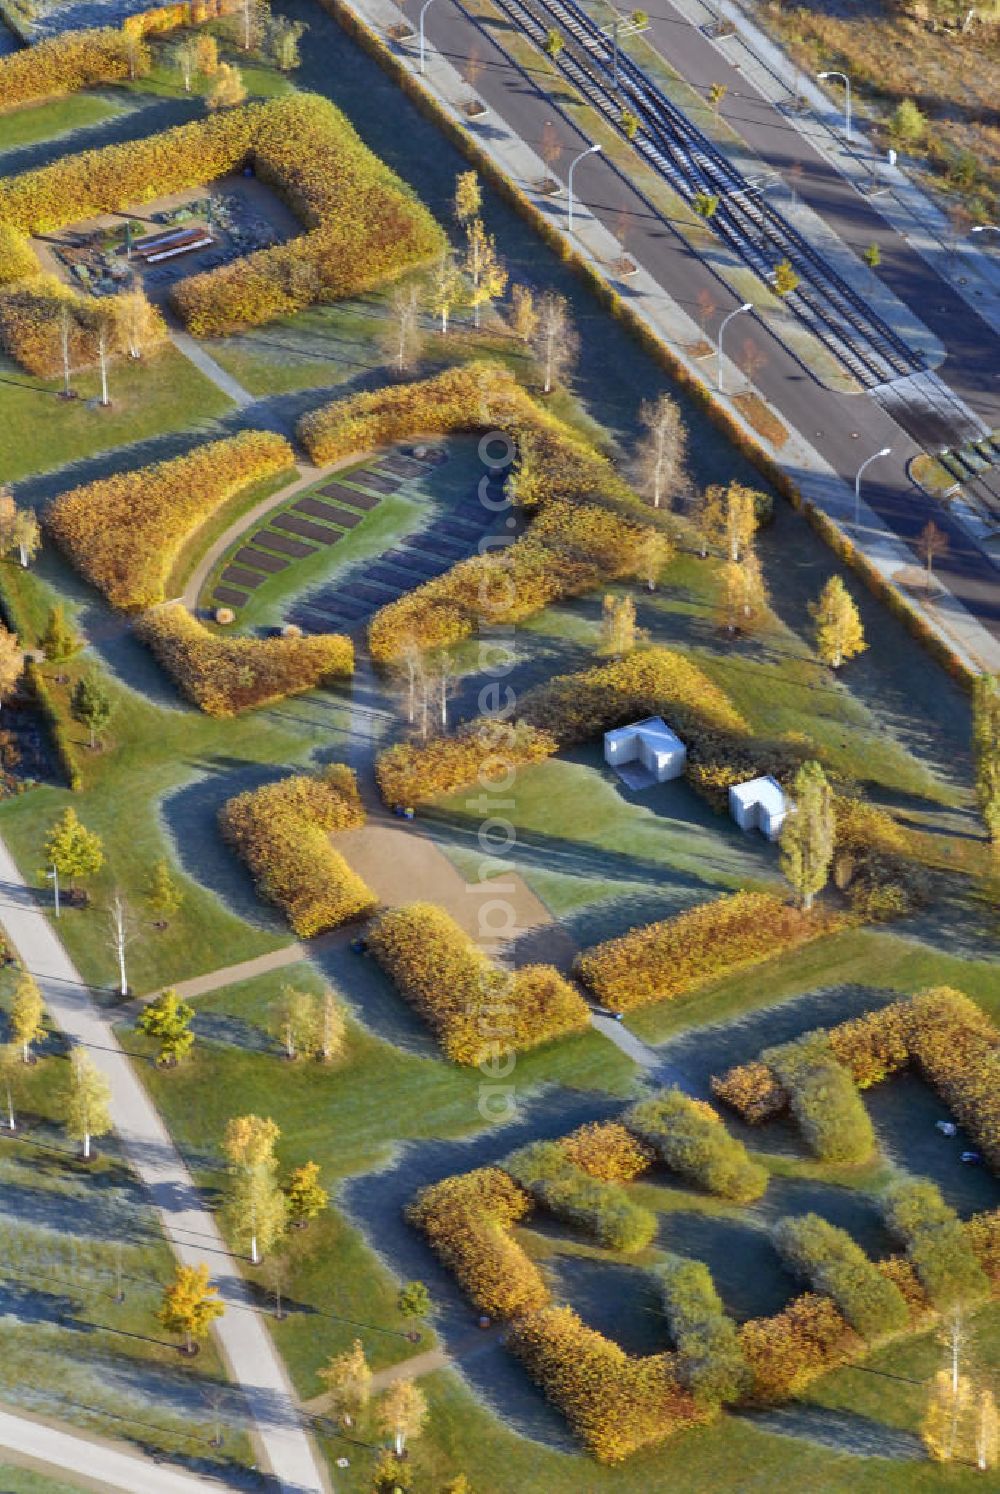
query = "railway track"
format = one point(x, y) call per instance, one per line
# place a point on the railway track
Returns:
point(872, 351)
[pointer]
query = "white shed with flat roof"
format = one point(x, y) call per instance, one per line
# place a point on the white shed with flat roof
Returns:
point(760, 804)
point(651, 743)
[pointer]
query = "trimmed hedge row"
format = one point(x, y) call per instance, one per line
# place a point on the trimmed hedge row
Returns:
point(614, 1403)
point(224, 676)
point(589, 525)
point(688, 1136)
point(605, 1149)
point(17, 259)
point(710, 1359)
point(936, 1243)
point(823, 1099)
point(32, 313)
point(874, 862)
point(124, 533)
point(834, 1264)
point(467, 1219)
point(477, 1010)
point(665, 960)
point(482, 751)
point(282, 830)
point(786, 1352)
point(362, 224)
point(67, 63)
point(600, 1208)
point(953, 1043)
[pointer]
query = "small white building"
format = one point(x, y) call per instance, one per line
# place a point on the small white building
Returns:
point(760, 804)
point(651, 743)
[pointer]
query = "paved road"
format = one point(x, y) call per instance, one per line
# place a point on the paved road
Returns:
point(251, 1357)
point(92, 1462)
point(844, 429)
point(972, 368)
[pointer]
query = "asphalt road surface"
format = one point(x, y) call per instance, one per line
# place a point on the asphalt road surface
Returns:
point(845, 429)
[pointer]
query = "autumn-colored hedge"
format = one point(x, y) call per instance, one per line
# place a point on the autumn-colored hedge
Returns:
point(822, 1098)
point(650, 682)
point(282, 831)
point(125, 532)
point(481, 752)
point(182, 13)
point(589, 525)
point(875, 863)
point(936, 1243)
point(467, 1219)
point(477, 1010)
point(17, 259)
point(600, 1208)
point(35, 312)
point(361, 223)
point(953, 1044)
point(664, 960)
point(615, 1403)
point(688, 1136)
point(606, 1149)
point(69, 62)
point(224, 676)
point(789, 1350)
point(710, 1362)
point(835, 1264)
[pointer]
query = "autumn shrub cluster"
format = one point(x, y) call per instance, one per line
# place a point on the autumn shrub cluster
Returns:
point(41, 318)
point(282, 831)
point(467, 1220)
point(475, 1009)
point(606, 1149)
point(69, 62)
point(182, 13)
point(589, 526)
point(125, 532)
point(480, 752)
point(823, 1098)
point(710, 1362)
point(224, 676)
point(688, 1136)
point(789, 1350)
point(664, 960)
point(936, 1242)
point(874, 862)
point(945, 1035)
point(834, 1264)
point(616, 1404)
point(600, 1208)
point(361, 223)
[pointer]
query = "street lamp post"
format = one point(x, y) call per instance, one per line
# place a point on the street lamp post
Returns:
point(747, 306)
point(886, 451)
point(832, 73)
point(423, 10)
point(591, 150)
point(53, 877)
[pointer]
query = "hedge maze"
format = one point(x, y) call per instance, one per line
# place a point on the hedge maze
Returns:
point(617, 1403)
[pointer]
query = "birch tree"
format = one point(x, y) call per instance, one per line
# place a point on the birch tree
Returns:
point(661, 452)
point(122, 933)
point(445, 289)
point(808, 833)
point(483, 267)
point(554, 340)
point(986, 751)
point(87, 1102)
point(26, 1013)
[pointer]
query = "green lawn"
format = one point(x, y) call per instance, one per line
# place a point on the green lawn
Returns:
point(39, 431)
point(349, 1117)
point(49, 121)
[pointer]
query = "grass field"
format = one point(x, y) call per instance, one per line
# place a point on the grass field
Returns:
point(49, 121)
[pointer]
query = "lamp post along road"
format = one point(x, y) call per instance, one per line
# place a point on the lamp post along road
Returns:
point(832, 73)
point(423, 11)
point(886, 451)
point(591, 150)
point(747, 306)
point(53, 877)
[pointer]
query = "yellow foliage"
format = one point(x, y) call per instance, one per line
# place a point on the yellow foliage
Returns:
point(67, 63)
point(125, 532)
point(282, 832)
point(224, 676)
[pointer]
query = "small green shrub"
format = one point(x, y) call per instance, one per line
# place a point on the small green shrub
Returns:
point(711, 1363)
point(833, 1263)
point(690, 1138)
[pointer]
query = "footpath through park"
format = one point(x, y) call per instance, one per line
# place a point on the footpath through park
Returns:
point(276, 1424)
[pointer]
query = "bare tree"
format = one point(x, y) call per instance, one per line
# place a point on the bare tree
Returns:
point(121, 933)
point(403, 335)
point(707, 307)
point(554, 341)
point(184, 56)
point(661, 450)
point(551, 147)
point(931, 542)
point(752, 358)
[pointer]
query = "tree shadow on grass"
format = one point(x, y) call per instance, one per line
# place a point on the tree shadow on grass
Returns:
point(374, 1000)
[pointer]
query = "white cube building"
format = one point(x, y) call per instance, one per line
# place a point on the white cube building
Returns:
point(760, 804)
point(649, 742)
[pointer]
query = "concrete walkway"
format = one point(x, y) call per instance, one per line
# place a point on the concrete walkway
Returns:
point(251, 1358)
point(91, 1462)
point(196, 353)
